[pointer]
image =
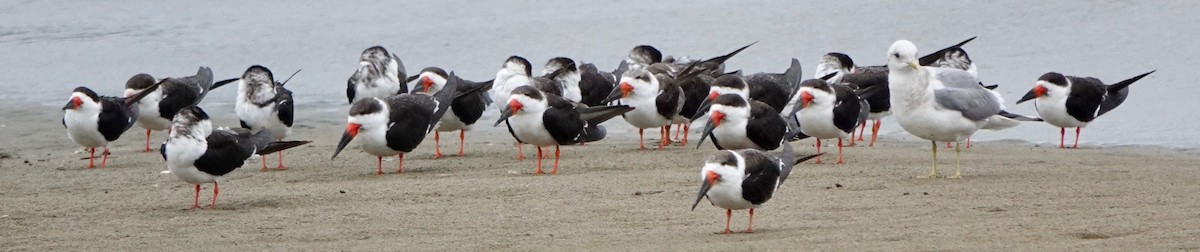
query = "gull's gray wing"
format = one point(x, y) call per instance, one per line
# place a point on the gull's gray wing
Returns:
point(961, 92)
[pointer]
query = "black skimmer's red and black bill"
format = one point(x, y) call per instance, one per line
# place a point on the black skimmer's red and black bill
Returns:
point(380, 74)
point(198, 154)
point(940, 104)
point(656, 101)
point(516, 72)
point(94, 121)
point(469, 103)
point(595, 85)
point(829, 111)
point(744, 179)
point(876, 77)
point(543, 119)
point(568, 79)
point(263, 103)
point(1073, 102)
point(396, 124)
point(159, 107)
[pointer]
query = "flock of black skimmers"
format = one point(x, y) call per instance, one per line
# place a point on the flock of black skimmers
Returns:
point(936, 97)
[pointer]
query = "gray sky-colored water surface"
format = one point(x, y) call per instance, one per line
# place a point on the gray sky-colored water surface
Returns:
point(49, 47)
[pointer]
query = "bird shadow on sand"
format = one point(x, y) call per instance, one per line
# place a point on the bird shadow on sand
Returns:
point(231, 204)
point(743, 233)
point(237, 205)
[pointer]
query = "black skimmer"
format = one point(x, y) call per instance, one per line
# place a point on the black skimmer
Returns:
point(954, 57)
point(380, 74)
point(695, 92)
point(568, 79)
point(159, 107)
point(465, 110)
point(595, 85)
point(737, 123)
point(829, 111)
point(198, 154)
point(656, 101)
point(744, 179)
point(396, 124)
point(764, 87)
point(876, 77)
point(515, 72)
point(263, 103)
point(94, 121)
point(543, 119)
point(148, 106)
point(643, 56)
point(1073, 102)
point(940, 104)
point(769, 88)
point(552, 83)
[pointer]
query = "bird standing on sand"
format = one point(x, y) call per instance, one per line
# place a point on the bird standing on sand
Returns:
point(516, 72)
point(829, 111)
point(940, 104)
point(876, 77)
point(465, 110)
point(94, 121)
point(655, 99)
point(160, 105)
point(263, 103)
point(198, 154)
point(1073, 102)
point(744, 179)
point(544, 119)
point(396, 124)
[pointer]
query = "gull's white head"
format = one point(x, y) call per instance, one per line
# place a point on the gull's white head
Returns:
point(902, 55)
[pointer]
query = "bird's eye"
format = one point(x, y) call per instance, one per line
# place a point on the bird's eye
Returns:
point(896, 55)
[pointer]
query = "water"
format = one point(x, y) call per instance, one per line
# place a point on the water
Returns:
point(52, 46)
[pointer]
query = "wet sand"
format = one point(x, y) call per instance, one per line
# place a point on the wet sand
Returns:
point(607, 196)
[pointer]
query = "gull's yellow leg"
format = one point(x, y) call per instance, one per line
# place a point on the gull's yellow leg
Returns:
point(957, 155)
point(934, 173)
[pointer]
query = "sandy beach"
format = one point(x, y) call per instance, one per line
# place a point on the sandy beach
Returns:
point(1131, 187)
point(608, 196)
